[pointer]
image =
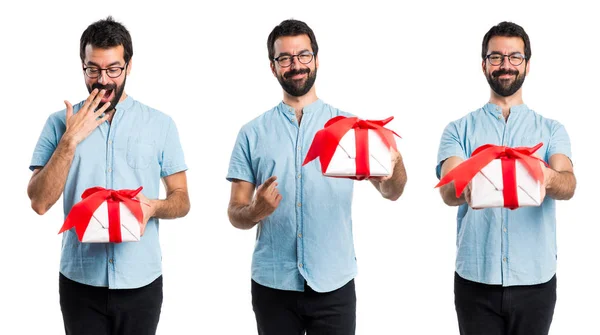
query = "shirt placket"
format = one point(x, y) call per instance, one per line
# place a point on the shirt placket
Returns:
point(504, 211)
point(300, 260)
point(110, 248)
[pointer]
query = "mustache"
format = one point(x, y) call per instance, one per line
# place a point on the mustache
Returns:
point(500, 72)
point(295, 72)
point(104, 87)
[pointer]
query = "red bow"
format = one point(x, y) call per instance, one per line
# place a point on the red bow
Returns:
point(482, 156)
point(326, 141)
point(92, 198)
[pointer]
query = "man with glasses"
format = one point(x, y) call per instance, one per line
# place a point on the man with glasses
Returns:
point(113, 141)
point(303, 264)
point(505, 280)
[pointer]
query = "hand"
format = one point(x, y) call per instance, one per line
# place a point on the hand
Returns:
point(547, 176)
point(467, 194)
point(148, 209)
point(266, 200)
point(395, 158)
point(81, 125)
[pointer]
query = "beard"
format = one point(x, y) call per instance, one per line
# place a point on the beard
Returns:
point(505, 87)
point(118, 90)
point(297, 88)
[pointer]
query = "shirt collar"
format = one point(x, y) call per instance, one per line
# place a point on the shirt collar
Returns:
point(125, 104)
point(313, 107)
point(497, 110)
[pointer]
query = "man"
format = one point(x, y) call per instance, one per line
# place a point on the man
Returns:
point(505, 279)
point(113, 141)
point(303, 263)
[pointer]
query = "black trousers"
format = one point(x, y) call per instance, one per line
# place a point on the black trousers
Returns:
point(281, 312)
point(495, 310)
point(94, 310)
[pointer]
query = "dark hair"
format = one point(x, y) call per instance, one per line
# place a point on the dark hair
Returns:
point(291, 28)
point(106, 34)
point(506, 29)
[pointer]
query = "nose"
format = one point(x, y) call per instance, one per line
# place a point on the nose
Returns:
point(505, 63)
point(103, 77)
point(295, 62)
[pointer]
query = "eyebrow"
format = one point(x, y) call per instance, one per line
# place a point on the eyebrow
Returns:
point(289, 54)
point(109, 65)
point(510, 54)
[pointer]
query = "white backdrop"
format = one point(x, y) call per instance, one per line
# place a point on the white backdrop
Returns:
point(207, 67)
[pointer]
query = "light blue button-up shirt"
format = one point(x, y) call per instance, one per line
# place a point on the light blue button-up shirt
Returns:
point(309, 236)
point(498, 245)
point(140, 146)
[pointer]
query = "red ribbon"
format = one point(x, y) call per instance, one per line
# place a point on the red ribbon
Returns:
point(482, 156)
point(326, 141)
point(92, 198)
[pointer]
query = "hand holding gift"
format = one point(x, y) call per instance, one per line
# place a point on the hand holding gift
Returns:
point(498, 176)
point(349, 147)
point(105, 215)
point(148, 211)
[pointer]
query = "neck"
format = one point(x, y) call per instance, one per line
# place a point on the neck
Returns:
point(298, 103)
point(506, 102)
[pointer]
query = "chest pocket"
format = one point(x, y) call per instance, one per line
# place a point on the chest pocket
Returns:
point(139, 153)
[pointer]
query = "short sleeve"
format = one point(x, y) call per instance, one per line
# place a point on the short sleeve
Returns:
point(240, 164)
point(450, 145)
point(559, 141)
point(173, 160)
point(47, 142)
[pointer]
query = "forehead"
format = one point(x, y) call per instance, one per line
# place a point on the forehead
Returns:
point(506, 45)
point(292, 44)
point(103, 56)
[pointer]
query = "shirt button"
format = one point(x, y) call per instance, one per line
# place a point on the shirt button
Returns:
point(109, 170)
point(110, 261)
point(109, 142)
point(504, 259)
point(299, 235)
point(505, 230)
point(300, 265)
point(298, 147)
point(299, 175)
point(299, 204)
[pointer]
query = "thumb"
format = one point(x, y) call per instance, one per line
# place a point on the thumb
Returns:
point(69, 109)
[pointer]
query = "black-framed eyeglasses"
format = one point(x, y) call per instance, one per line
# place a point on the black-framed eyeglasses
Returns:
point(112, 72)
point(497, 58)
point(286, 60)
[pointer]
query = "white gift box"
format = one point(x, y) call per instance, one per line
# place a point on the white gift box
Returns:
point(97, 229)
point(487, 186)
point(343, 162)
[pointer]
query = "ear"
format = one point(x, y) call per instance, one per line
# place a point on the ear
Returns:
point(527, 66)
point(483, 62)
point(129, 65)
point(272, 64)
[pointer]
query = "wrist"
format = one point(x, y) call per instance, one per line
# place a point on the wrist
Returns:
point(69, 141)
point(155, 206)
point(550, 178)
point(254, 217)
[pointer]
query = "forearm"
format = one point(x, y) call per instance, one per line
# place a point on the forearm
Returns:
point(393, 188)
point(47, 185)
point(448, 193)
point(561, 185)
point(176, 205)
point(242, 216)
